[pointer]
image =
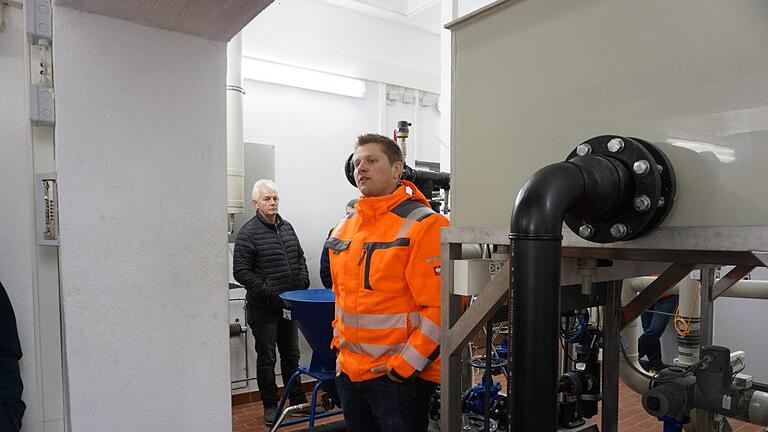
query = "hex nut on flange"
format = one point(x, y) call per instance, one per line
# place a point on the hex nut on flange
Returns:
point(642, 203)
point(586, 231)
point(583, 149)
point(615, 145)
point(619, 230)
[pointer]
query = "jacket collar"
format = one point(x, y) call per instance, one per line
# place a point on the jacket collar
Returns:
point(376, 206)
point(268, 224)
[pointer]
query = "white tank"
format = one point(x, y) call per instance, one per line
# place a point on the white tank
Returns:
point(533, 79)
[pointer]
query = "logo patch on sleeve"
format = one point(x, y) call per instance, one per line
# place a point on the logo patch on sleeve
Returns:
point(437, 270)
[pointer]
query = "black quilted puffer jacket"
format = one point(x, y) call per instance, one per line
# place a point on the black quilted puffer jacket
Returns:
point(11, 406)
point(268, 260)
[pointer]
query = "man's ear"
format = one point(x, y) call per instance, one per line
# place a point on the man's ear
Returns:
point(253, 204)
point(398, 168)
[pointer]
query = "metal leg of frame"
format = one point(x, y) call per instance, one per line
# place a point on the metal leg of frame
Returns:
point(612, 311)
point(450, 374)
point(704, 418)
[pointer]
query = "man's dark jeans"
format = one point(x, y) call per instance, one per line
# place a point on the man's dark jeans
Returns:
point(382, 405)
point(654, 324)
point(269, 329)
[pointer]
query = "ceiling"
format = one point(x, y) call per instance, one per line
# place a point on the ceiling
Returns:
point(216, 20)
point(422, 14)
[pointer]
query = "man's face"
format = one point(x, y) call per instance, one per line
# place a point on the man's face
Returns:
point(374, 175)
point(267, 202)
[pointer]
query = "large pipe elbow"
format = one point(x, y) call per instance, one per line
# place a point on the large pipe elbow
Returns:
point(536, 234)
point(543, 200)
point(595, 185)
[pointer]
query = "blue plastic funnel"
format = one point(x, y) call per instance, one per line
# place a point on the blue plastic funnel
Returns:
point(313, 309)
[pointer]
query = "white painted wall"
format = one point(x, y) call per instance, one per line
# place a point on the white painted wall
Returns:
point(313, 134)
point(142, 172)
point(17, 227)
point(448, 11)
point(465, 7)
point(739, 325)
point(424, 142)
point(320, 36)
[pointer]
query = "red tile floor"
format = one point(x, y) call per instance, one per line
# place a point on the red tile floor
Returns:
point(632, 417)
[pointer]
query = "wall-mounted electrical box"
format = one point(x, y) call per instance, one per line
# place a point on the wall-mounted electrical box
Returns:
point(41, 105)
point(47, 209)
point(472, 275)
point(39, 20)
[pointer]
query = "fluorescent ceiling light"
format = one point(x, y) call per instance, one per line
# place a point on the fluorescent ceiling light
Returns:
point(723, 153)
point(260, 70)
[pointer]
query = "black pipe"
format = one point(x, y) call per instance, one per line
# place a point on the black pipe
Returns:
point(585, 183)
point(439, 180)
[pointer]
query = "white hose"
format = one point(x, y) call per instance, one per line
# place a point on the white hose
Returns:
point(753, 289)
point(632, 331)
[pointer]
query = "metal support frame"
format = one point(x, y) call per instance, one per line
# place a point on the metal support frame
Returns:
point(704, 418)
point(647, 297)
point(681, 248)
point(611, 321)
point(727, 281)
point(494, 295)
point(450, 370)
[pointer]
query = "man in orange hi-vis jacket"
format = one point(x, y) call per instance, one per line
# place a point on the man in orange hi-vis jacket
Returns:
point(385, 265)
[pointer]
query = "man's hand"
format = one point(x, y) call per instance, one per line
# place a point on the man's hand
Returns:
point(383, 368)
point(392, 377)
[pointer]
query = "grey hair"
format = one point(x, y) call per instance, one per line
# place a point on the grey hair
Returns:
point(263, 183)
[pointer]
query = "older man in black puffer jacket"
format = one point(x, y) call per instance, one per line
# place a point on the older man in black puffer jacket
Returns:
point(268, 260)
point(11, 406)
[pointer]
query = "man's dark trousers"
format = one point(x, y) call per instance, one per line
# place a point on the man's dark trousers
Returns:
point(654, 323)
point(382, 405)
point(269, 329)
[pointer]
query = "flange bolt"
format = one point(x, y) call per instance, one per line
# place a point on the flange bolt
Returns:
point(619, 230)
point(583, 149)
point(642, 203)
point(586, 230)
point(615, 145)
point(641, 167)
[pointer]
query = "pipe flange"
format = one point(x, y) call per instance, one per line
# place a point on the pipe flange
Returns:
point(650, 183)
point(668, 184)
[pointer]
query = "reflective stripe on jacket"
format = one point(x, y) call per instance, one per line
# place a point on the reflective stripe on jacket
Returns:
point(385, 265)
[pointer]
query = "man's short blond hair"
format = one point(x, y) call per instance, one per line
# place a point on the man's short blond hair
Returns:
point(263, 183)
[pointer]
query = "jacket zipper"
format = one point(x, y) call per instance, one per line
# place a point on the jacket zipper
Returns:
point(285, 253)
point(360, 263)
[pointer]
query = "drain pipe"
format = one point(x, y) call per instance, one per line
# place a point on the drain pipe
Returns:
point(536, 238)
point(235, 148)
point(743, 289)
point(594, 192)
point(629, 366)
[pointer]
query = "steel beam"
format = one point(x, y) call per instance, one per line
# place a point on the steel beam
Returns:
point(700, 245)
point(488, 300)
point(611, 321)
point(762, 257)
point(450, 371)
point(647, 297)
point(727, 281)
point(704, 418)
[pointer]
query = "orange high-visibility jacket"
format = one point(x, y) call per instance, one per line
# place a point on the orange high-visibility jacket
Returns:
point(385, 265)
